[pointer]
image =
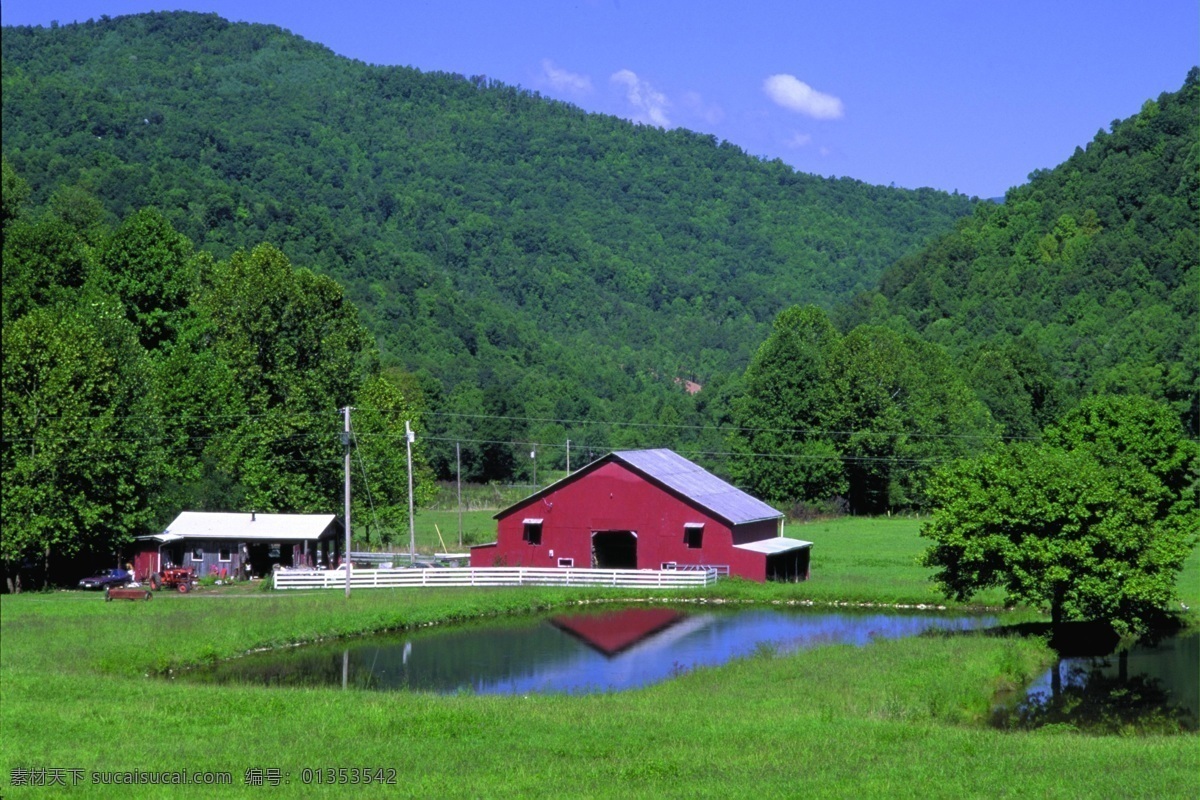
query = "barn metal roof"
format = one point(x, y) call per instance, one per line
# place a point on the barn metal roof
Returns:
point(779, 544)
point(698, 484)
point(245, 526)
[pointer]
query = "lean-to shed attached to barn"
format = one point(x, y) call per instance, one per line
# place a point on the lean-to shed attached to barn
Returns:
point(645, 509)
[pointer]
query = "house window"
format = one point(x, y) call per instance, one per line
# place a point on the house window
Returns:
point(197, 554)
point(693, 535)
point(566, 562)
point(224, 554)
point(532, 532)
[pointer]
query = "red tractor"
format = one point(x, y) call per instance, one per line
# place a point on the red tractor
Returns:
point(181, 578)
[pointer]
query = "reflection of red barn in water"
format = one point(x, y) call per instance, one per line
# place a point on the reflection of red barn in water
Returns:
point(617, 631)
point(645, 509)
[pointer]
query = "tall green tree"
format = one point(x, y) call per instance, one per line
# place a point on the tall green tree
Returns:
point(297, 352)
point(153, 269)
point(79, 455)
point(1093, 524)
point(379, 461)
point(198, 397)
point(45, 262)
point(1016, 384)
point(896, 406)
point(14, 191)
point(783, 452)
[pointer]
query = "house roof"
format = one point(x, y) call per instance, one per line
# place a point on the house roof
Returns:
point(245, 527)
point(683, 477)
point(697, 484)
point(779, 544)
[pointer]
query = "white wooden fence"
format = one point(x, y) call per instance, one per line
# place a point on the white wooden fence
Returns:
point(492, 576)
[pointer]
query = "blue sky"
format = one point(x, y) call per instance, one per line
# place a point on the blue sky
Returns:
point(957, 95)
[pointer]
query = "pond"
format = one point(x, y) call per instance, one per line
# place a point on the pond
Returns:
point(607, 651)
point(1146, 688)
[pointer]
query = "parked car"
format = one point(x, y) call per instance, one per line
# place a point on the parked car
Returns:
point(107, 578)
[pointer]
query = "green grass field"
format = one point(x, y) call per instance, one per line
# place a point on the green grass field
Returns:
point(905, 718)
point(478, 527)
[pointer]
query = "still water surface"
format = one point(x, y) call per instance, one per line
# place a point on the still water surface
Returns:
point(571, 653)
point(1146, 688)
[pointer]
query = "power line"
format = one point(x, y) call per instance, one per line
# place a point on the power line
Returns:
point(362, 467)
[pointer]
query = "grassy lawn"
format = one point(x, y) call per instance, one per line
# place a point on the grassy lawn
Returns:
point(478, 527)
point(855, 558)
point(895, 718)
point(436, 531)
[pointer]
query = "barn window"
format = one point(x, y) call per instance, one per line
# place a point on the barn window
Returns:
point(224, 554)
point(693, 535)
point(566, 562)
point(197, 554)
point(532, 531)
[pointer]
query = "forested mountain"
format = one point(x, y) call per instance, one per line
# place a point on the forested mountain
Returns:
point(216, 235)
point(1084, 281)
point(525, 258)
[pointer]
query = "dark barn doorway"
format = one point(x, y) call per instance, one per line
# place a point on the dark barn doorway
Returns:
point(614, 550)
point(790, 566)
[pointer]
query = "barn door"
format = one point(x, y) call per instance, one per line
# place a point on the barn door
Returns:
point(614, 550)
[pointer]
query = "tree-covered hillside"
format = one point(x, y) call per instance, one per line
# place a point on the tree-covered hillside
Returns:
point(515, 276)
point(141, 377)
point(1084, 281)
point(493, 239)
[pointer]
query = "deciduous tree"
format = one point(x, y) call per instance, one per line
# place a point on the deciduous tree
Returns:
point(79, 449)
point(784, 455)
point(298, 353)
point(152, 268)
point(1092, 524)
point(380, 468)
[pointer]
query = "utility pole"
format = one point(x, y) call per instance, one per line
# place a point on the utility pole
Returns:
point(533, 455)
point(458, 467)
point(568, 456)
point(346, 447)
point(409, 438)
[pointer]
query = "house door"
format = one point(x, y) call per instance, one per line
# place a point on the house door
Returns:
point(258, 558)
point(614, 550)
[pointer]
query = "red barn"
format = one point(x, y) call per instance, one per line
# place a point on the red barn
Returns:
point(645, 509)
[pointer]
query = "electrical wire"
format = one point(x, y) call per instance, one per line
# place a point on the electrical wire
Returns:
point(366, 482)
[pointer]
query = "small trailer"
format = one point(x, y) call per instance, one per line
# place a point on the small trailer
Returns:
point(112, 593)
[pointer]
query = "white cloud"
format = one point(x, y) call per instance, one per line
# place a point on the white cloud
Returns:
point(651, 104)
point(799, 140)
point(565, 80)
point(796, 95)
